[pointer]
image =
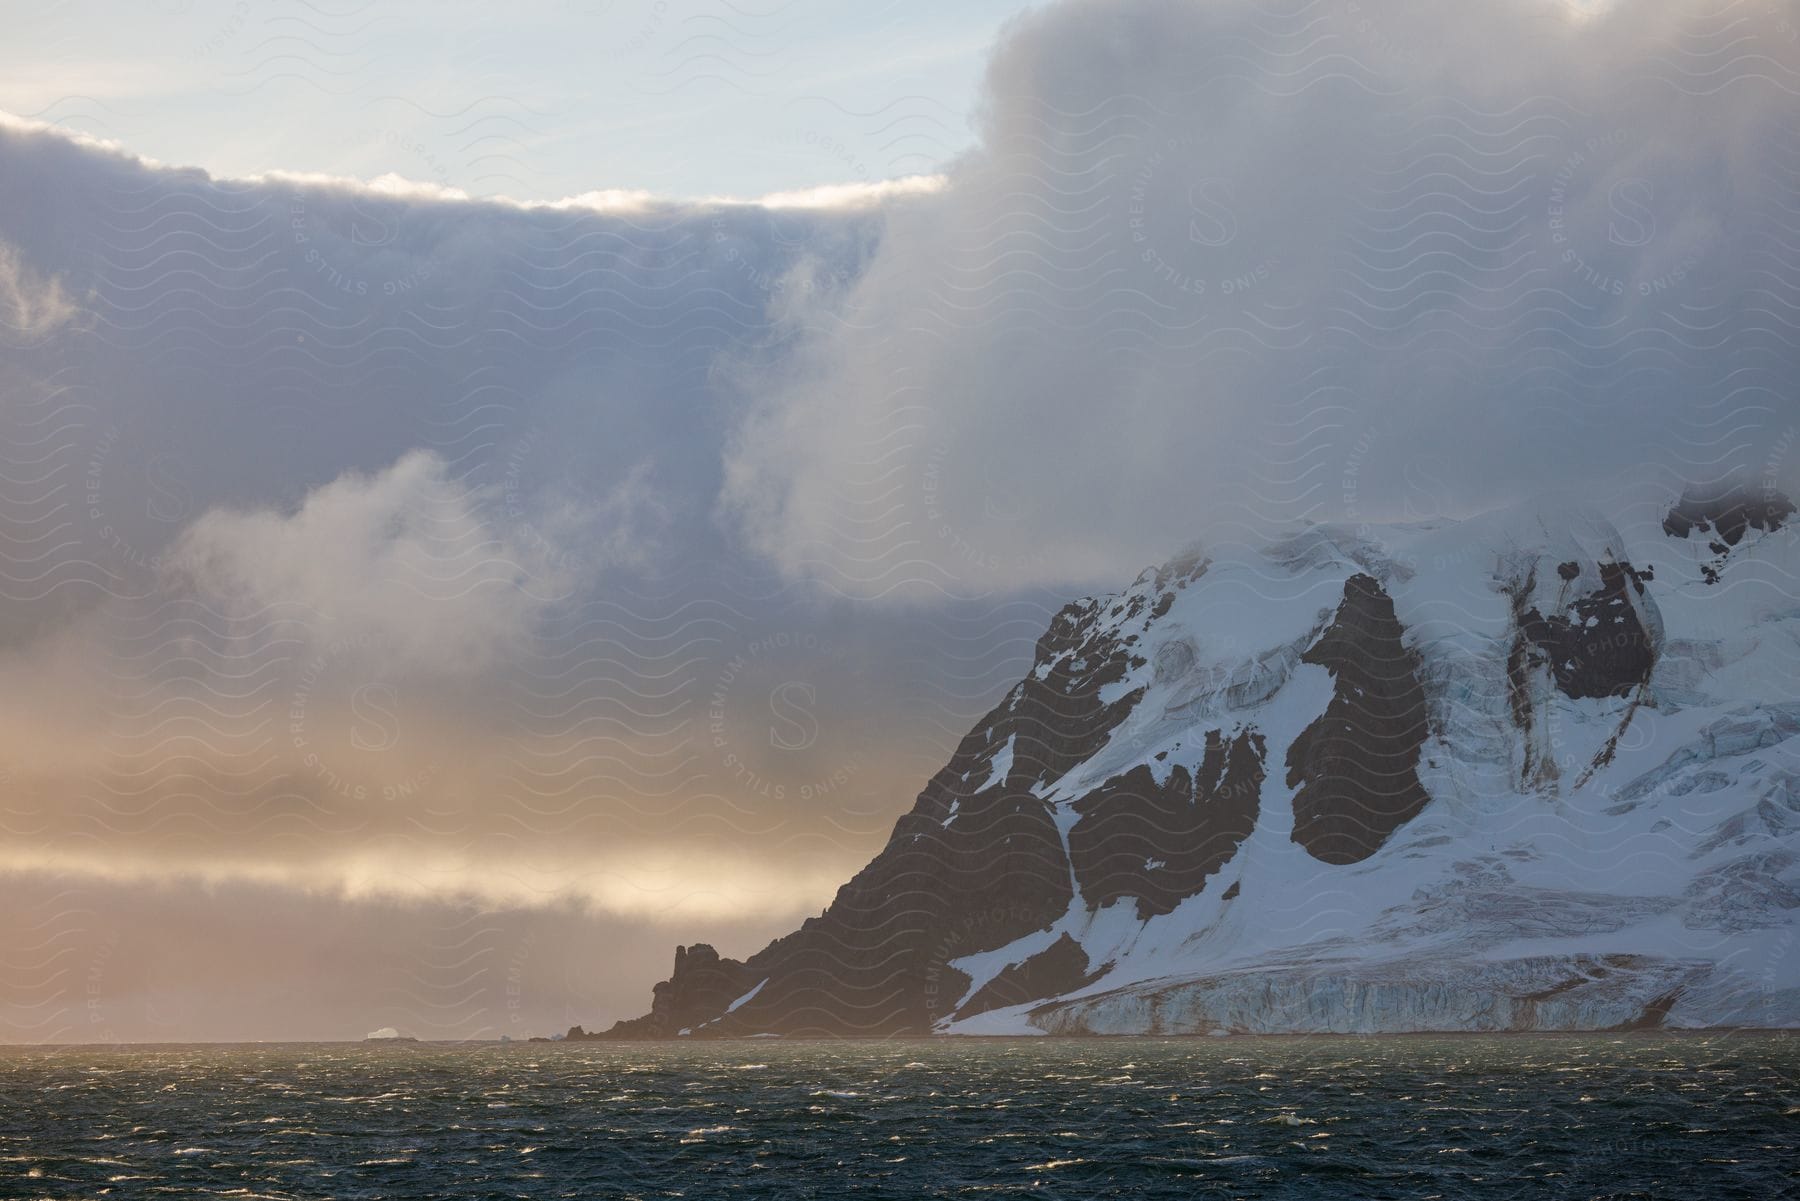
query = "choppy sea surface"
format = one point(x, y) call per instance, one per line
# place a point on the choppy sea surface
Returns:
point(1635, 1115)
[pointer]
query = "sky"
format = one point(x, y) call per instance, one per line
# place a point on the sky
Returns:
point(482, 502)
point(535, 100)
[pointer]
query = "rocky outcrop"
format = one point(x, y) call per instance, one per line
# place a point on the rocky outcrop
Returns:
point(1728, 514)
point(1591, 633)
point(1600, 647)
point(1158, 841)
point(1059, 968)
point(1356, 767)
point(699, 988)
point(1724, 517)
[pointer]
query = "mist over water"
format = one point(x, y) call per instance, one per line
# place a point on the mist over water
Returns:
point(1584, 1116)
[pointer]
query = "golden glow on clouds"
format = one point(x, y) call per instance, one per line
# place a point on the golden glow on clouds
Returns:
point(643, 884)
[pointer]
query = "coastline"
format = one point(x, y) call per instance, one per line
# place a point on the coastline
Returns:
point(940, 1039)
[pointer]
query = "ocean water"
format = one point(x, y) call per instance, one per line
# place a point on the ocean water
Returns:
point(1587, 1116)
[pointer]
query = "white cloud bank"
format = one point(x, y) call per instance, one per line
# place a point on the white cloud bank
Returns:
point(406, 562)
point(1215, 265)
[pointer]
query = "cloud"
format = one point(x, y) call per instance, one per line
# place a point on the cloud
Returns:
point(245, 341)
point(360, 542)
point(31, 306)
point(405, 562)
point(855, 195)
point(638, 884)
point(344, 508)
point(1212, 269)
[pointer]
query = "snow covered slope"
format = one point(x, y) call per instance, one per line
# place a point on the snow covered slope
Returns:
point(1538, 769)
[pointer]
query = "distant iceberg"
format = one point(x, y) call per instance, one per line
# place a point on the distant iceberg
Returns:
point(387, 1034)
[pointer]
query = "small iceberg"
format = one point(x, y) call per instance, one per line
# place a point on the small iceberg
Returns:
point(387, 1034)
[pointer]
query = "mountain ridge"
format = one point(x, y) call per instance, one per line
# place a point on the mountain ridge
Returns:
point(1535, 769)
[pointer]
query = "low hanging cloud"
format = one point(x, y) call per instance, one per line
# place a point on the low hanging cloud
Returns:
point(406, 562)
point(1217, 267)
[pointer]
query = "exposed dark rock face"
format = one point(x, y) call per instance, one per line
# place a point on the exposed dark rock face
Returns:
point(1356, 767)
point(1726, 515)
point(1600, 648)
point(1160, 842)
point(701, 986)
point(1059, 968)
point(1521, 660)
point(976, 864)
point(1594, 644)
point(1730, 514)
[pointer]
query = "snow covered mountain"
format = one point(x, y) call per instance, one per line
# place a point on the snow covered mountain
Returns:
point(1537, 769)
